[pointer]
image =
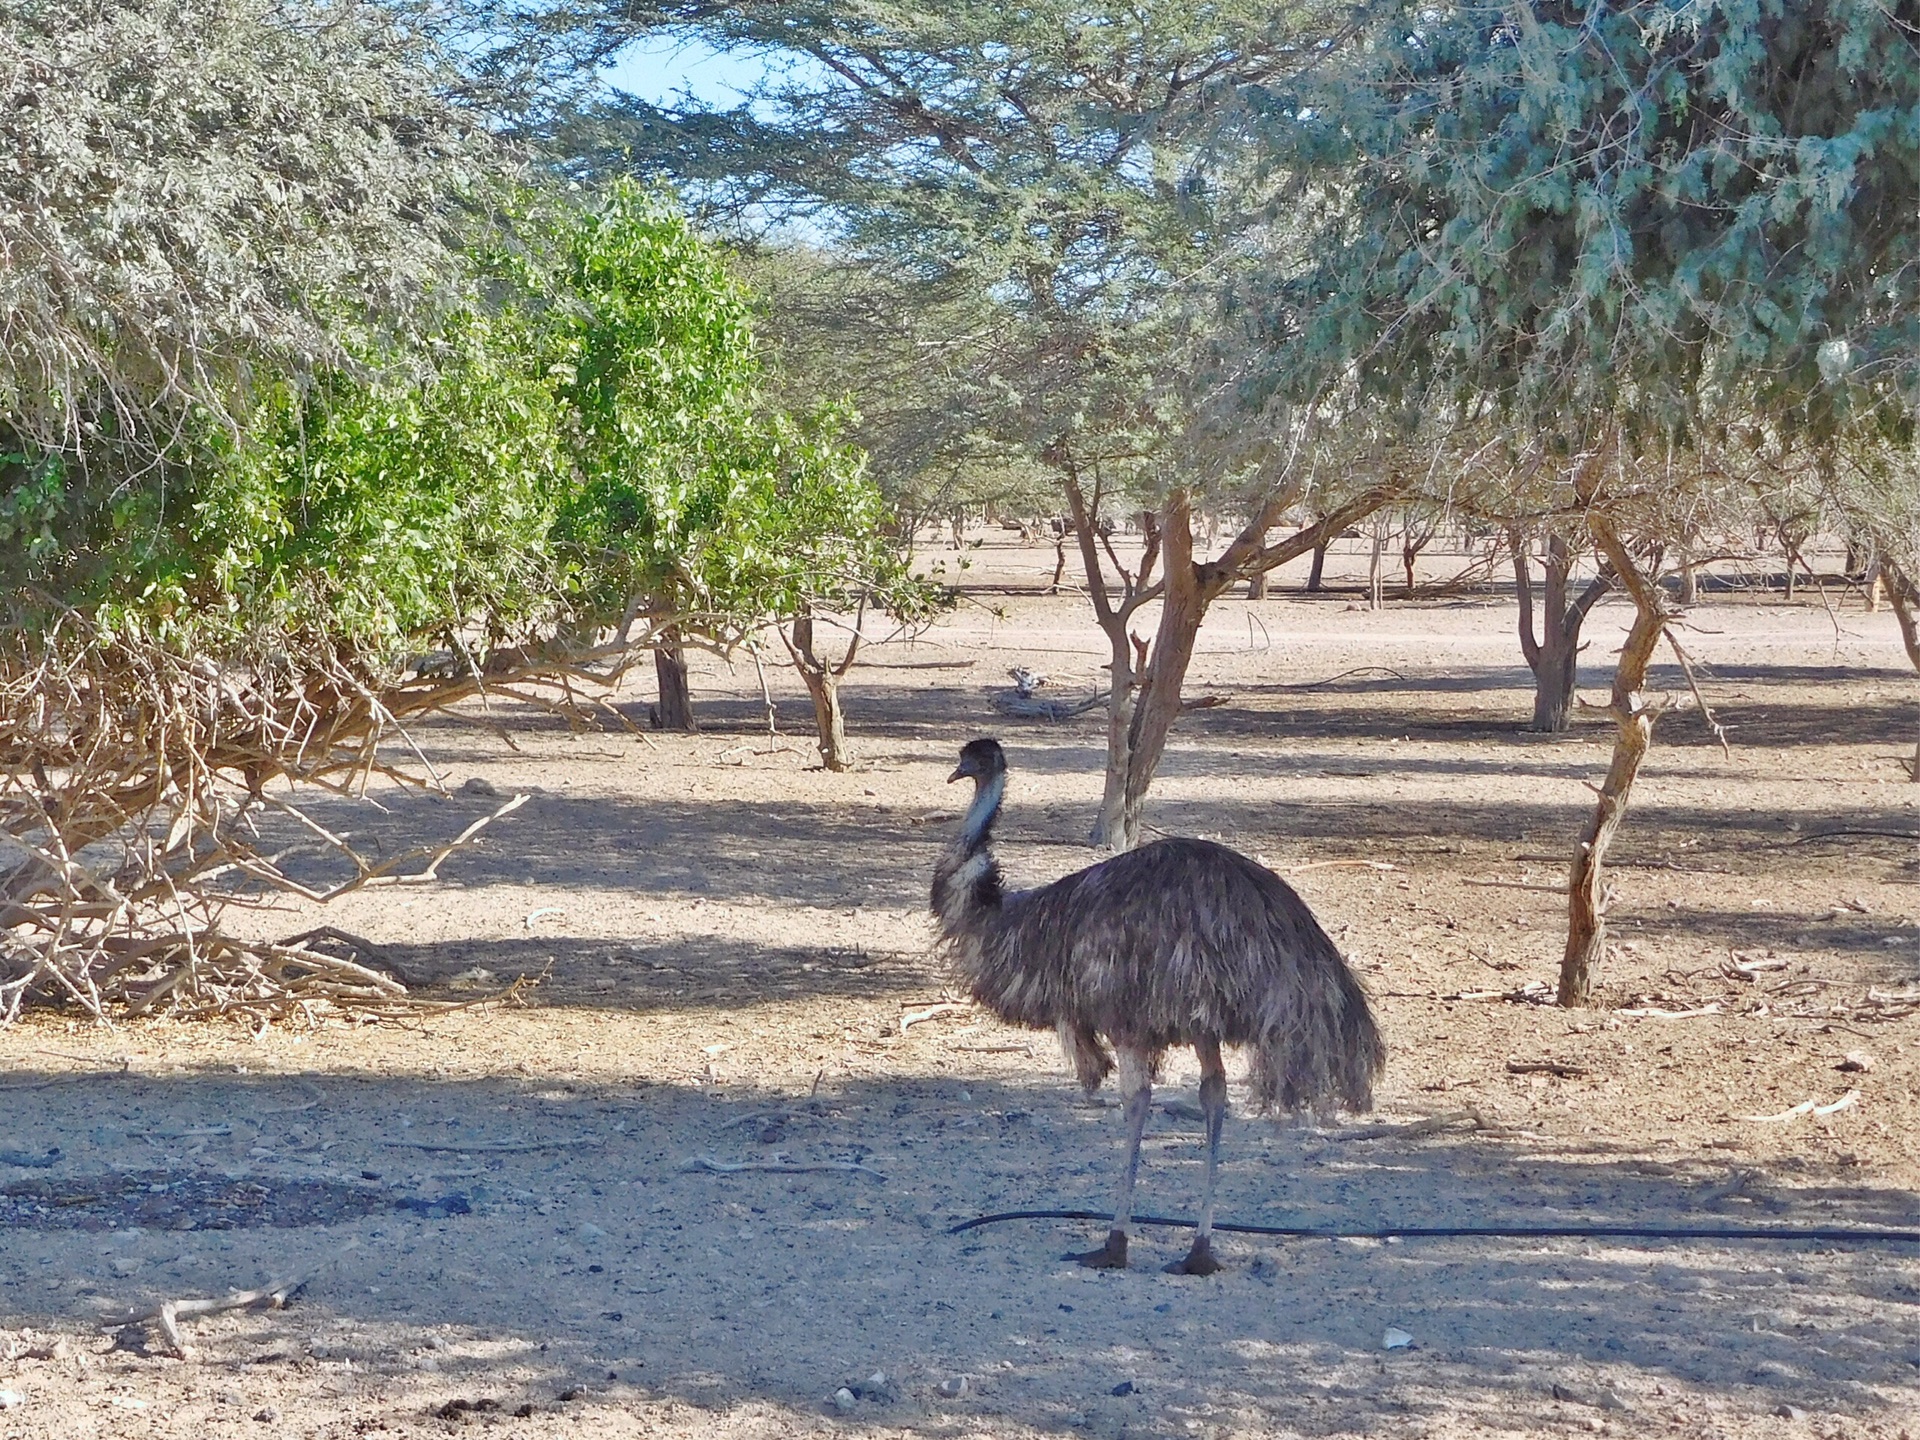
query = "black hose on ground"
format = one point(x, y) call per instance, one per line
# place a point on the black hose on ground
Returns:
point(1855, 1235)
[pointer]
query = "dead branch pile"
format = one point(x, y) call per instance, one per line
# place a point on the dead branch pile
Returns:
point(132, 781)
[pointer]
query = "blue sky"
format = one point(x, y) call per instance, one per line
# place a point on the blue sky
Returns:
point(665, 70)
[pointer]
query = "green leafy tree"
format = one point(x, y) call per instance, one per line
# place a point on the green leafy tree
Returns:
point(693, 507)
point(1666, 248)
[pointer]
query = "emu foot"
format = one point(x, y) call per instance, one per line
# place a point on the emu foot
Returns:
point(1110, 1256)
point(1199, 1261)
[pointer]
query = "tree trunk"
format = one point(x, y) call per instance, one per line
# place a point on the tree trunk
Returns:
point(1633, 716)
point(1319, 566)
point(830, 721)
point(823, 688)
point(1689, 579)
point(1906, 609)
point(1113, 620)
point(1190, 588)
point(1554, 682)
point(1257, 586)
point(1375, 597)
point(1143, 694)
point(1554, 657)
point(675, 711)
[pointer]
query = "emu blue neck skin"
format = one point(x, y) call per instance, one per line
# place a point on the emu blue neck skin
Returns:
point(986, 802)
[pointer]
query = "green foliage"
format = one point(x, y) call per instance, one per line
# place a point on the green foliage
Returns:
point(368, 509)
point(388, 512)
point(689, 499)
point(585, 443)
point(1654, 220)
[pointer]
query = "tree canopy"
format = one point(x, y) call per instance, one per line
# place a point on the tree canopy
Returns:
point(1658, 218)
point(201, 193)
point(580, 442)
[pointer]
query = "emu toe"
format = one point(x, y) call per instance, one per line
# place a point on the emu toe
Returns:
point(1110, 1256)
point(1199, 1261)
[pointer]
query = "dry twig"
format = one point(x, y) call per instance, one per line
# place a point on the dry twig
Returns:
point(271, 1296)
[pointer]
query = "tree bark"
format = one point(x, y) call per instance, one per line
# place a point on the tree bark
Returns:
point(1319, 565)
point(1257, 586)
point(1142, 709)
point(1376, 598)
point(675, 710)
point(1114, 619)
point(1905, 597)
point(823, 688)
point(1689, 579)
point(1554, 655)
point(1633, 715)
point(1190, 589)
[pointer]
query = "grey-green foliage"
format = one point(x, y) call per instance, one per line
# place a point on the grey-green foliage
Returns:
point(1059, 184)
point(196, 190)
point(1654, 220)
point(911, 357)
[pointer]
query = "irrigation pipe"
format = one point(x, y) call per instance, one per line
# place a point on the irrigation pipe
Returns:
point(1857, 1235)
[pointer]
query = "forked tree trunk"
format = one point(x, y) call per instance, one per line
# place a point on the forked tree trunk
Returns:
point(1143, 697)
point(830, 721)
point(822, 680)
point(1411, 544)
point(1122, 648)
point(1633, 715)
point(1190, 589)
point(675, 710)
point(1554, 655)
point(1689, 579)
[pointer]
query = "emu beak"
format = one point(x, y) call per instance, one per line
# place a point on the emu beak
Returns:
point(960, 772)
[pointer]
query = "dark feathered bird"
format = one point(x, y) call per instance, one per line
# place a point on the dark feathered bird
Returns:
point(1181, 942)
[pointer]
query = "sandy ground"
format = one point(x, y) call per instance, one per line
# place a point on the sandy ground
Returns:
point(499, 1232)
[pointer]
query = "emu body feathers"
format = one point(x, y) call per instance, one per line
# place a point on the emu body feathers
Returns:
point(1162, 945)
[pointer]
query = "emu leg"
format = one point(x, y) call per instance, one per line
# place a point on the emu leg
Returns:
point(1213, 1104)
point(1136, 1087)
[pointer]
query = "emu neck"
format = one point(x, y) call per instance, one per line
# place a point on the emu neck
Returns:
point(987, 795)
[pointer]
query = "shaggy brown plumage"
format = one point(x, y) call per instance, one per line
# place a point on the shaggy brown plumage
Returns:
point(1182, 942)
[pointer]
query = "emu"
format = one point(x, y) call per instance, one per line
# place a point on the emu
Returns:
point(1181, 942)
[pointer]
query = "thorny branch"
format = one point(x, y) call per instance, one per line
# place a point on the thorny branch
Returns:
point(132, 781)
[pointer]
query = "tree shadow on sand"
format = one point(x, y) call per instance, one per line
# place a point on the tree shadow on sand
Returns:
point(604, 1267)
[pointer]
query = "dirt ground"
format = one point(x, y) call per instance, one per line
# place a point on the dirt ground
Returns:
point(500, 1215)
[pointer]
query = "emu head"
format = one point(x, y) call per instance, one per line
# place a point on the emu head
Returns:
point(982, 759)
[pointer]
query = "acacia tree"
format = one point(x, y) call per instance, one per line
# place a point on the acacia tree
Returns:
point(1070, 176)
point(203, 192)
point(1663, 244)
point(910, 355)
